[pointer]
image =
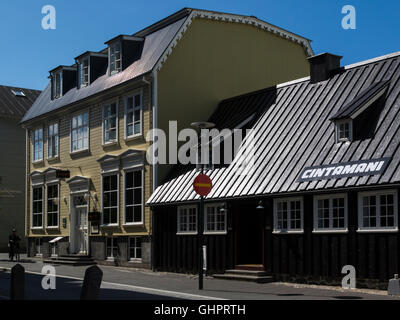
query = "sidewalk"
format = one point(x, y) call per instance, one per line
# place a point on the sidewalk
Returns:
point(169, 285)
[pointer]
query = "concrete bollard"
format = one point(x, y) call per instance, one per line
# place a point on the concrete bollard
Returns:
point(91, 283)
point(17, 288)
point(394, 286)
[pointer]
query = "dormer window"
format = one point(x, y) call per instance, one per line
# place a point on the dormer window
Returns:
point(83, 73)
point(115, 57)
point(57, 84)
point(344, 130)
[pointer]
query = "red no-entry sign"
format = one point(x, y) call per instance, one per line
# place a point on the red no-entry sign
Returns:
point(202, 184)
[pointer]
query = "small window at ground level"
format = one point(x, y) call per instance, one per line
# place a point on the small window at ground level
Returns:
point(288, 215)
point(112, 248)
point(330, 212)
point(135, 248)
point(378, 210)
point(187, 219)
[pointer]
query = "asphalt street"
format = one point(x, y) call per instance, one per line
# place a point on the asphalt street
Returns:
point(136, 284)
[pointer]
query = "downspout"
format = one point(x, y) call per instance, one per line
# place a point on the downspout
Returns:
point(26, 187)
point(155, 165)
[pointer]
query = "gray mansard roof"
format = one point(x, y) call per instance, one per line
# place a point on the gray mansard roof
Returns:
point(295, 131)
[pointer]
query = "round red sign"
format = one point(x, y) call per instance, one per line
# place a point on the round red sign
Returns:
point(202, 184)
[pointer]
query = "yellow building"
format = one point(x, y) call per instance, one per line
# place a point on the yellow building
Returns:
point(88, 178)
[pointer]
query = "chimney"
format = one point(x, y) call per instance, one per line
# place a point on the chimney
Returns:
point(323, 66)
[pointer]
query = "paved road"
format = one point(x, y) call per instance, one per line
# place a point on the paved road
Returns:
point(135, 284)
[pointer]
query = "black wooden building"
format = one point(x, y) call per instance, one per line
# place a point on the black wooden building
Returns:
point(321, 192)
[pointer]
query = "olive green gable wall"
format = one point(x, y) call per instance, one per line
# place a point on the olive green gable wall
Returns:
point(215, 60)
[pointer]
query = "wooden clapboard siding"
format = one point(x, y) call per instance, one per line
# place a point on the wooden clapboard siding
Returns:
point(315, 256)
point(86, 163)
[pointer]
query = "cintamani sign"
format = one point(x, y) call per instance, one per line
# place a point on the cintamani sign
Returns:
point(342, 170)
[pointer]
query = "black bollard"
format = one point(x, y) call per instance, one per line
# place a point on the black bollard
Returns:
point(17, 288)
point(91, 283)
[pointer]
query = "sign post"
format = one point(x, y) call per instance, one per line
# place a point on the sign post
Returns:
point(202, 185)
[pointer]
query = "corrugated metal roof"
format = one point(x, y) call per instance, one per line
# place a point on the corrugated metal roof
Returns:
point(295, 132)
point(14, 106)
point(153, 48)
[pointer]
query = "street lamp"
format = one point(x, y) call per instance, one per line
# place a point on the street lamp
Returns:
point(199, 126)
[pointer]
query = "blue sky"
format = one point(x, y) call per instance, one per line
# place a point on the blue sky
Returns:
point(29, 52)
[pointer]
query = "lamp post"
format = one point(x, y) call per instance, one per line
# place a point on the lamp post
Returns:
point(199, 126)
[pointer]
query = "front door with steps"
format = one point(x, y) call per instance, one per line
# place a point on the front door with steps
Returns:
point(79, 226)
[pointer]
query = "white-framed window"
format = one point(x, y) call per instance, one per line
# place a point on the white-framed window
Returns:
point(52, 207)
point(344, 130)
point(115, 57)
point(378, 210)
point(110, 199)
point(187, 219)
point(80, 132)
point(38, 246)
point(214, 218)
point(134, 196)
point(288, 215)
point(83, 72)
point(111, 248)
point(135, 249)
point(56, 83)
point(133, 115)
point(38, 144)
point(330, 212)
point(37, 206)
point(110, 123)
point(52, 140)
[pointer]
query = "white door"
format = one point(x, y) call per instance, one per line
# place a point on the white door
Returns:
point(81, 230)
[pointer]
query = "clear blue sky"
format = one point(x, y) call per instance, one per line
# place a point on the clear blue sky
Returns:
point(29, 52)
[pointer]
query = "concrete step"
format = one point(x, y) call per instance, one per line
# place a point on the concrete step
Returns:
point(247, 272)
point(243, 277)
point(73, 258)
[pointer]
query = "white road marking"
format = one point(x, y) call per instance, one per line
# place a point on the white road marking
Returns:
point(167, 293)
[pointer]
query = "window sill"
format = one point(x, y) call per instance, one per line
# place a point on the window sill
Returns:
point(186, 233)
point(377, 230)
point(53, 228)
point(134, 224)
point(111, 225)
point(79, 151)
point(222, 233)
point(109, 144)
point(38, 161)
point(330, 231)
point(53, 158)
point(288, 231)
point(134, 137)
point(135, 260)
point(36, 228)
point(110, 259)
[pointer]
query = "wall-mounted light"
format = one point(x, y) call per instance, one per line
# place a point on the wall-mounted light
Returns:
point(86, 196)
point(65, 199)
point(223, 209)
point(260, 206)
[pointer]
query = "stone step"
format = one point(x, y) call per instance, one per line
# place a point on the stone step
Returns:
point(73, 258)
point(70, 262)
point(247, 272)
point(243, 277)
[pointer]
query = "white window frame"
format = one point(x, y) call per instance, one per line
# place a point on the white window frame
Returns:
point(81, 72)
point(142, 193)
point(215, 206)
point(135, 259)
point(104, 142)
point(50, 139)
point(56, 94)
point(338, 123)
point(111, 258)
point(179, 213)
point(135, 93)
point(77, 128)
point(377, 194)
point(38, 253)
point(330, 197)
point(34, 160)
point(43, 206)
point(58, 206)
point(289, 229)
point(115, 173)
point(111, 45)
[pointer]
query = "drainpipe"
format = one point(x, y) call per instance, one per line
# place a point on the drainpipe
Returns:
point(26, 186)
point(155, 165)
